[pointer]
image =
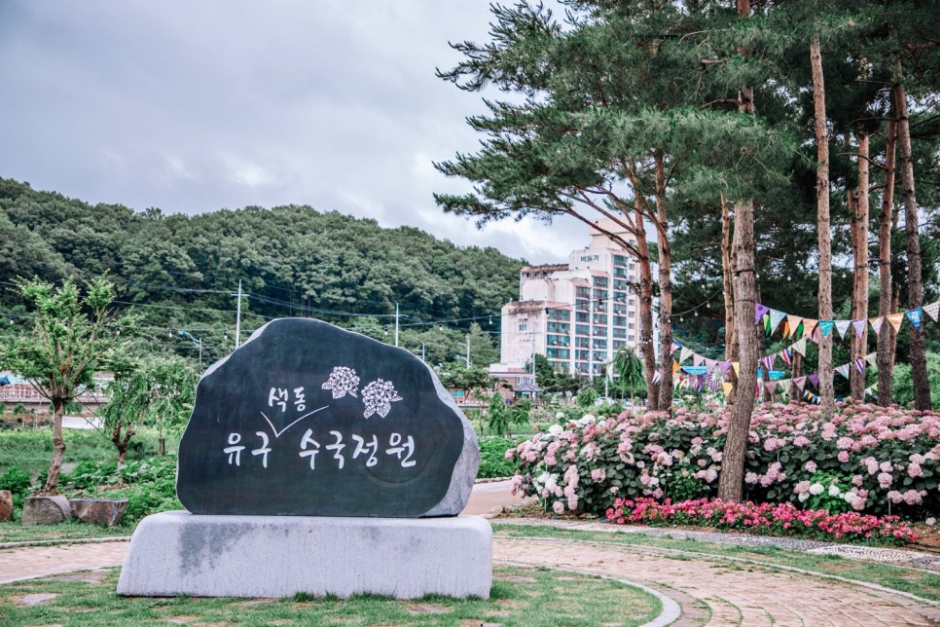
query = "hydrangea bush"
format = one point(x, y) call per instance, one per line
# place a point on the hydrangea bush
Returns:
point(865, 458)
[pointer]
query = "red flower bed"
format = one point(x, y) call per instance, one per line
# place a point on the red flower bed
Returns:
point(782, 519)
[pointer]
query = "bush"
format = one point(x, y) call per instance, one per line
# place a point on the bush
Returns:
point(16, 481)
point(884, 460)
point(149, 486)
point(493, 462)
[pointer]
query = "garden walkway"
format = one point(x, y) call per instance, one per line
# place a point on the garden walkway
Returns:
point(709, 589)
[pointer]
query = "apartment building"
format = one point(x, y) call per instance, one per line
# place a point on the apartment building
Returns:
point(578, 314)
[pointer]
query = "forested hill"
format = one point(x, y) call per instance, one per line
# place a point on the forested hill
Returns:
point(178, 271)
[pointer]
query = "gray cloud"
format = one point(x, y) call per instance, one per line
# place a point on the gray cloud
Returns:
point(194, 106)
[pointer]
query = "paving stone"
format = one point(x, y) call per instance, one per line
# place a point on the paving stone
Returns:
point(37, 599)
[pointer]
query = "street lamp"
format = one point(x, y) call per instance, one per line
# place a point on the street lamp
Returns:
point(187, 335)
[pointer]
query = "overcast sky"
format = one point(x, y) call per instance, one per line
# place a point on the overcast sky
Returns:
point(194, 106)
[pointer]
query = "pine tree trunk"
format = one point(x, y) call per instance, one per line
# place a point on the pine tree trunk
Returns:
point(860, 279)
point(731, 480)
point(731, 352)
point(826, 392)
point(885, 290)
point(915, 288)
point(58, 448)
point(646, 317)
point(665, 288)
point(796, 371)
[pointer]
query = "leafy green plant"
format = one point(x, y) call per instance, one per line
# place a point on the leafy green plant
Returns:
point(493, 462)
point(16, 481)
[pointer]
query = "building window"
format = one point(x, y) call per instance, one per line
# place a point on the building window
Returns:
point(630, 337)
point(631, 326)
point(582, 329)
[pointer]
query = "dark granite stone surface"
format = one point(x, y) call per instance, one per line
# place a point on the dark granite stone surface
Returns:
point(308, 419)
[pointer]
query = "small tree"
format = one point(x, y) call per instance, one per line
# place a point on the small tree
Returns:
point(159, 392)
point(630, 369)
point(73, 337)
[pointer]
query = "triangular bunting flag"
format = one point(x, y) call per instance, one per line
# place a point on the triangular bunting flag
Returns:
point(737, 366)
point(770, 386)
point(809, 325)
point(896, 319)
point(697, 360)
point(724, 366)
point(685, 353)
point(826, 326)
point(876, 324)
point(768, 362)
point(776, 317)
point(786, 355)
point(727, 387)
point(933, 310)
point(872, 359)
point(843, 370)
point(800, 347)
point(814, 380)
point(759, 312)
point(675, 367)
point(793, 322)
point(842, 326)
point(784, 384)
point(816, 335)
point(657, 376)
point(800, 382)
point(915, 316)
point(859, 326)
point(710, 365)
point(675, 346)
point(859, 365)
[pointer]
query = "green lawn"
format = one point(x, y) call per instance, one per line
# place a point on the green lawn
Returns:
point(520, 597)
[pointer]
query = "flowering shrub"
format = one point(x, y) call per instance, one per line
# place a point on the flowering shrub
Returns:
point(881, 460)
point(780, 520)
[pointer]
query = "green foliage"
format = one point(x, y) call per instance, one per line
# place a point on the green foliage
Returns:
point(493, 462)
point(827, 491)
point(18, 482)
point(501, 418)
point(586, 397)
point(149, 485)
point(903, 387)
point(29, 449)
point(294, 261)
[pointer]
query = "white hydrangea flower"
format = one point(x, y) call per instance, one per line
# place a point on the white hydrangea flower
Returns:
point(378, 397)
point(555, 430)
point(834, 490)
point(342, 380)
point(816, 489)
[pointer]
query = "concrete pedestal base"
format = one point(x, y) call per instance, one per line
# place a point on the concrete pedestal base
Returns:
point(177, 553)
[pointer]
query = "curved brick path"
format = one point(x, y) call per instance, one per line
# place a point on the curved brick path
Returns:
point(719, 592)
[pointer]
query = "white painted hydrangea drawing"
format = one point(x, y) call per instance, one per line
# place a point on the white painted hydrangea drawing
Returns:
point(378, 397)
point(342, 380)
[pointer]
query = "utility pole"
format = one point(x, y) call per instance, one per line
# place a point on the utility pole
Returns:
point(238, 315)
point(396, 324)
point(469, 363)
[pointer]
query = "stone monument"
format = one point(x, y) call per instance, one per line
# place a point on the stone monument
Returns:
point(321, 461)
